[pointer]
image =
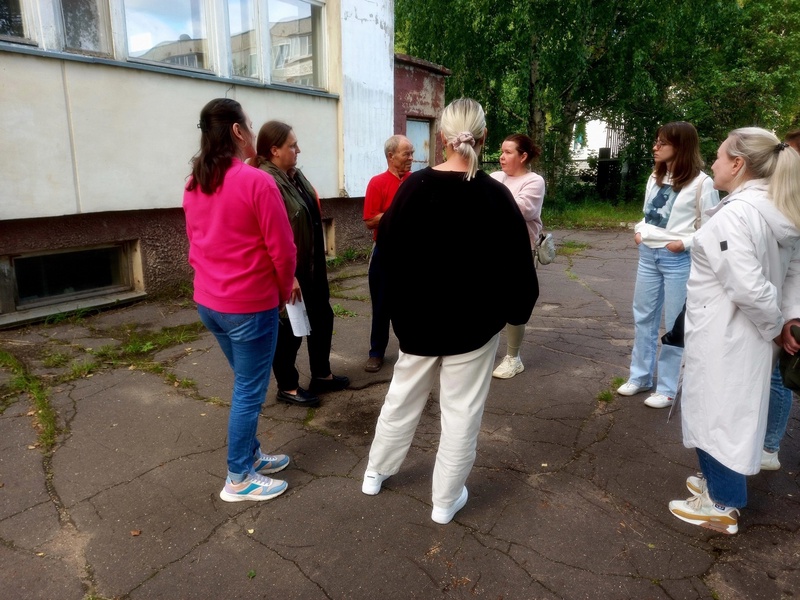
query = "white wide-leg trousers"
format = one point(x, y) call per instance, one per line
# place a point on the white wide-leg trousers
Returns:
point(464, 385)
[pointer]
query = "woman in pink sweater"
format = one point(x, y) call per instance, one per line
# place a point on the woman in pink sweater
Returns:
point(527, 187)
point(242, 251)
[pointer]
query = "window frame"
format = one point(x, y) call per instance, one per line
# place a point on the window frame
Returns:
point(43, 24)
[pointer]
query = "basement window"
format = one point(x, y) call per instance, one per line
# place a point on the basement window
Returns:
point(52, 278)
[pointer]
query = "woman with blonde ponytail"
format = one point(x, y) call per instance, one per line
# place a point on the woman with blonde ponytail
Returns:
point(741, 295)
point(455, 252)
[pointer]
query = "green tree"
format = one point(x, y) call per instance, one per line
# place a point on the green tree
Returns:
point(544, 66)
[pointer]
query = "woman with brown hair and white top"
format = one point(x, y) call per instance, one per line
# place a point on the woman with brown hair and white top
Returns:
point(527, 187)
point(677, 195)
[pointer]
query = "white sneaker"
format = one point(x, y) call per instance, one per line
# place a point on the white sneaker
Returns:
point(658, 401)
point(701, 510)
point(630, 389)
point(511, 365)
point(444, 515)
point(372, 482)
point(769, 461)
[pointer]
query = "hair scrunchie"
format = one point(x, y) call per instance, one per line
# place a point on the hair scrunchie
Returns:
point(780, 146)
point(465, 137)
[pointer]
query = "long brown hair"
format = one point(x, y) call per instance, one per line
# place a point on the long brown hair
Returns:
point(217, 144)
point(687, 162)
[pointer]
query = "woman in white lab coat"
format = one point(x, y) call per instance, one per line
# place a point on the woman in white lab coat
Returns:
point(739, 298)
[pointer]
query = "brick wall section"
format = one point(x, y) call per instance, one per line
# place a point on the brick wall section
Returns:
point(419, 94)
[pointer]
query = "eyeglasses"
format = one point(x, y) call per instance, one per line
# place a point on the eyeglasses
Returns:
point(659, 143)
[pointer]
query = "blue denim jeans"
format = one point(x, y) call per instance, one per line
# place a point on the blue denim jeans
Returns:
point(780, 405)
point(660, 287)
point(724, 486)
point(248, 342)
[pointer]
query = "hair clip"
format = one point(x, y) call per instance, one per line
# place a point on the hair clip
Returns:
point(780, 146)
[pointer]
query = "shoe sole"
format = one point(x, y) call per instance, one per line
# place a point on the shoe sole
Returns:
point(311, 404)
point(638, 391)
point(272, 470)
point(505, 375)
point(228, 497)
point(725, 525)
point(373, 486)
point(659, 405)
point(448, 514)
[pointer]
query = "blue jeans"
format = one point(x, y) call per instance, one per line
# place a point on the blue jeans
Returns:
point(660, 287)
point(724, 486)
point(780, 405)
point(248, 342)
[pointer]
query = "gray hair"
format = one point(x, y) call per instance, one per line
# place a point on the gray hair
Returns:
point(391, 145)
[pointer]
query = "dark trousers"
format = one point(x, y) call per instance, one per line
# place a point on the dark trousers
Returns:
point(320, 315)
point(379, 336)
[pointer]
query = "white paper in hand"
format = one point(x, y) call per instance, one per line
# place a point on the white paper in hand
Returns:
point(298, 317)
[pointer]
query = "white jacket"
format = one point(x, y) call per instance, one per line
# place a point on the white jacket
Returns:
point(680, 212)
point(740, 271)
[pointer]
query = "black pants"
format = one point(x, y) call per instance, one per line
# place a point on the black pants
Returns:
point(379, 335)
point(320, 315)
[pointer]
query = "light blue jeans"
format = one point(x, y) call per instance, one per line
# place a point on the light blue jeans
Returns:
point(660, 287)
point(780, 405)
point(248, 342)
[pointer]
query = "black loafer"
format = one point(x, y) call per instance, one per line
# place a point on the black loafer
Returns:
point(320, 386)
point(302, 398)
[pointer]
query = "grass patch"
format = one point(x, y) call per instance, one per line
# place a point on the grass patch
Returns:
point(75, 317)
point(78, 370)
point(605, 396)
point(341, 311)
point(24, 383)
point(570, 247)
point(349, 255)
point(140, 345)
point(56, 359)
point(618, 381)
point(591, 215)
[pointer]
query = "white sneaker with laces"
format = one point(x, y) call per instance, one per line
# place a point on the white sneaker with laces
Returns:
point(444, 515)
point(511, 365)
point(658, 401)
point(701, 510)
point(372, 482)
point(769, 461)
point(630, 389)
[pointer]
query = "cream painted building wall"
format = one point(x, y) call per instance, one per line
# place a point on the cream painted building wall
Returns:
point(94, 150)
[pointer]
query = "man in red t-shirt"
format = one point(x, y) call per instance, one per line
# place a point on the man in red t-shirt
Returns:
point(380, 193)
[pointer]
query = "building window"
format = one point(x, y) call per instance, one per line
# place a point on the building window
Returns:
point(11, 19)
point(244, 38)
point(295, 28)
point(167, 32)
point(86, 26)
point(51, 278)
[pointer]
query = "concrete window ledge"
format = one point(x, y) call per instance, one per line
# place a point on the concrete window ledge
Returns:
point(21, 317)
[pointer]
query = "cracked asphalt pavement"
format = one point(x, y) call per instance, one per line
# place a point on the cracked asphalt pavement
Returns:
point(568, 496)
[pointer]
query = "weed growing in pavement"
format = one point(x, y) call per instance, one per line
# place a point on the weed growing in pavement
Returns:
point(75, 317)
point(605, 396)
point(78, 370)
point(570, 247)
point(55, 359)
point(23, 382)
point(341, 311)
point(349, 255)
point(618, 381)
